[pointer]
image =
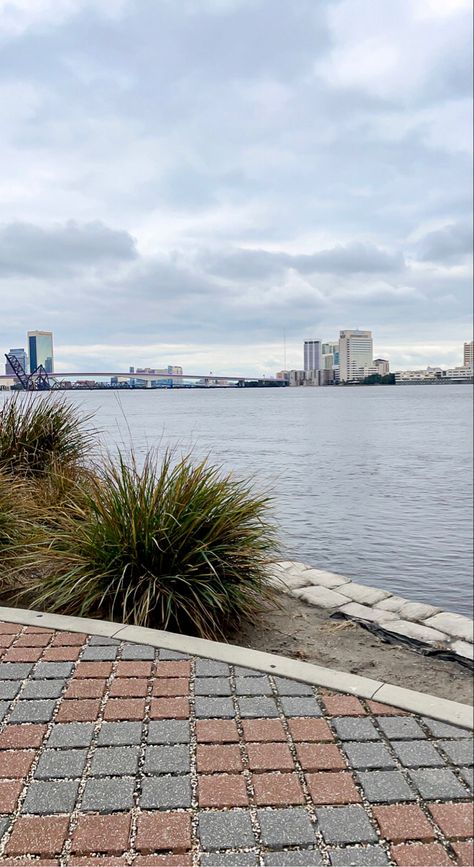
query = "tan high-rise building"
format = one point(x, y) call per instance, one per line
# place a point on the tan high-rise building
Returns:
point(356, 352)
point(469, 354)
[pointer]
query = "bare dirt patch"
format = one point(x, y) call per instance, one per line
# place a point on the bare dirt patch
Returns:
point(304, 632)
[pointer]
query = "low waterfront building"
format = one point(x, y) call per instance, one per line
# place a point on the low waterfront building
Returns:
point(435, 374)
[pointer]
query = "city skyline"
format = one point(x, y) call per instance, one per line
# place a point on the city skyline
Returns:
point(279, 168)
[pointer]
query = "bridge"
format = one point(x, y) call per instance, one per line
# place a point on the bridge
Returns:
point(123, 377)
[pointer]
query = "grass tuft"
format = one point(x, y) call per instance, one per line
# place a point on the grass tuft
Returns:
point(170, 546)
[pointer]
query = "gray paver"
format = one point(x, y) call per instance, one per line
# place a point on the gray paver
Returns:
point(221, 708)
point(241, 671)
point(108, 795)
point(300, 706)
point(4, 823)
point(68, 735)
point(138, 651)
point(211, 668)
point(212, 686)
point(287, 827)
point(253, 685)
point(355, 729)
point(229, 859)
point(460, 752)
point(60, 763)
point(9, 688)
point(102, 640)
point(119, 734)
point(165, 793)
point(258, 706)
point(352, 856)
point(434, 783)
point(114, 761)
point(101, 653)
point(40, 710)
point(292, 687)
point(172, 654)
point(385, 787)
point(15, 670)
point(48, 797)
point(53, 670)
point(468, 776)
point(399, 727)
point(43, 689)
point(368, 755)
point(305, 858)
point(443, 730)
point(168, 731)
point(417, 754)
point(167, 760)
point(226, 830)
point(4, 705)
point(345, 825)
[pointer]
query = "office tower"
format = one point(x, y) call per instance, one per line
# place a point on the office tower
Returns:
point(355, 354)
point(20, 356)
point(312, 355)
point(40, 346)
point(382, 366)
point(469, 354)
point(330, 355)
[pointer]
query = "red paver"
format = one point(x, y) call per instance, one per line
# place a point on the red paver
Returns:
point(344, 705)
point(160, 861)
point(10, 628)
point(9, 793)
point(419, 855)
point(22, 654)
point(37, 639)
point(93, 669)
point(169, 708)
point(333, 788)
point(129, 686)
point(455, 820)
point(216, 731)
point(464, 853)
point(400, 822)
point(310, 729)
point(171, 686)
point(38, 835)
point(102, 834)
point(6, 639)
point(272, 790)
point(133, 669)
point(16, 763)
point(80, 710)
point(99, 860)
point(264, 730)
point(380, 709)
point(211, 758)
point(15, 737)
point(69, 638)
point(176, 668)
point(85, 688)
point(270, 757)
point(61, 654)
point(320, 757)
point(163, 831)
point(29, 630)
point(125, 708)
point(222, 790)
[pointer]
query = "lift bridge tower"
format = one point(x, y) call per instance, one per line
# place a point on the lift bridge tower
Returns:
point(36, 381)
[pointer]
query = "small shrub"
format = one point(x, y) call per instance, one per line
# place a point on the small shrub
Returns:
point(40, 431)
point(179, 547)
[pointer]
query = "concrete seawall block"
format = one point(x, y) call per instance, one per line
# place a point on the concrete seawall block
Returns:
point(417, 611)
point(417, 631)
point(323, 597)
point(364, 612)
point(392, 603)
point(452, 624)
point(326, 579)
point(365, 595)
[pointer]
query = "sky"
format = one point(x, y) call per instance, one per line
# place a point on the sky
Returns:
point(204, 182)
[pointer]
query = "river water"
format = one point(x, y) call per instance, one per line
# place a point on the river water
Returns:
point(373, 483)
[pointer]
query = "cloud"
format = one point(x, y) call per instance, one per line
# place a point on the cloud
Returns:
point(448, 245)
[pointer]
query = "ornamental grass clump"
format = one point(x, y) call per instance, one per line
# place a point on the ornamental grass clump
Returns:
point(170, 546)
point(41, 431)
point(19, 533)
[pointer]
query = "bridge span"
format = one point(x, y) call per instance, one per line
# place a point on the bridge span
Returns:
point(125, 376)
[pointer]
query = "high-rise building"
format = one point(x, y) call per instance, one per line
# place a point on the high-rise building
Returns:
point(20, 356)
point(355, 354)
point(330, 355)
point(312, 355)
point(382, 366)
point(469, 354)
point(40, 346)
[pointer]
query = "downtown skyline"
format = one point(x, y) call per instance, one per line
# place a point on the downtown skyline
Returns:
point(275, 169)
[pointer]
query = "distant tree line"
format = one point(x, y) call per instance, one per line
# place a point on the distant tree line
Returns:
point(378, 379)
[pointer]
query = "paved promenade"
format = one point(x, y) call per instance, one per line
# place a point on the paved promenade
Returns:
point(117, 753)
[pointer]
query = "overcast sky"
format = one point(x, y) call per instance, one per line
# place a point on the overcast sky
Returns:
point(184, 181)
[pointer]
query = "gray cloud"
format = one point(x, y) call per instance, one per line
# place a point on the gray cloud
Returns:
point(448, 245)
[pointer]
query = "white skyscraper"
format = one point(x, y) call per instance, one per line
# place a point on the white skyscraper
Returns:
point(312, 355)
point(355, 354)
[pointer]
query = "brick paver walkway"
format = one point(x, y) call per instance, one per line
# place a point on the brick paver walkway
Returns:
point(115, 753)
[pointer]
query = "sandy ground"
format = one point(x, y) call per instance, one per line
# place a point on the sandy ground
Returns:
point(304, 632)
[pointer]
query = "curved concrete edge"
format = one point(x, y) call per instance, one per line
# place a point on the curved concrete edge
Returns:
point(416, 702)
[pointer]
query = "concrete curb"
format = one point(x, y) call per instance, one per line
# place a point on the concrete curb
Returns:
point(416, 702)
